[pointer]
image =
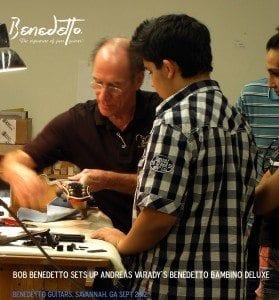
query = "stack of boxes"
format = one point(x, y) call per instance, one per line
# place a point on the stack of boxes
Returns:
point(15, 126)
point(15, 131)
point(61, 170)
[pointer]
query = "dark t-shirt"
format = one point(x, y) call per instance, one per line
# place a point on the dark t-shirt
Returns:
point(269, 230)
point(87, 139)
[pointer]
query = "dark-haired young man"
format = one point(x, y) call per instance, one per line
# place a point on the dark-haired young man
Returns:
point(259, 103)
point(197, 177)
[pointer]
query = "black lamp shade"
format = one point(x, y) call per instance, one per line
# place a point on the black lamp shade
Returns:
point(4, 37)
point(9, 59)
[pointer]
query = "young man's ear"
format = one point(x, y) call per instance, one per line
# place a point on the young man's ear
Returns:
point(170, 68)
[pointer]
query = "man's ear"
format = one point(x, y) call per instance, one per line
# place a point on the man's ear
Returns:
point(169, 68)
point(139, 79)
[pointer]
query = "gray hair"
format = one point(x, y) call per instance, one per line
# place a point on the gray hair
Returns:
point(136, 63)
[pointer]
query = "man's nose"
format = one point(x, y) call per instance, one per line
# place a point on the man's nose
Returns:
point(103, 93)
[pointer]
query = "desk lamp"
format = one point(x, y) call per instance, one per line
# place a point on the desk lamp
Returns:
point(9, 59)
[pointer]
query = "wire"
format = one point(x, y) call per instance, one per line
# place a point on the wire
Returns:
point(271, 155)
point(35, 241)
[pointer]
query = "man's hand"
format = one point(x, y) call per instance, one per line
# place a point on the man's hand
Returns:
point(94, 178)
point(98, 180)
point(149, 228)
point(26, 185)
point(111, 235)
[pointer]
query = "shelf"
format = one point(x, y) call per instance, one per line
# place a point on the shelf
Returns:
point(4, 148)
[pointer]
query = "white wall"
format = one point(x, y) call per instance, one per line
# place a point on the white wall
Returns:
point(239, 30)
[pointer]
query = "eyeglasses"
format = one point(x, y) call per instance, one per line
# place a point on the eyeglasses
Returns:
point(110, 88)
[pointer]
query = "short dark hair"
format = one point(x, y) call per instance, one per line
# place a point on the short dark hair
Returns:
point(177, 37)
point(273, 42)
point(136, 64)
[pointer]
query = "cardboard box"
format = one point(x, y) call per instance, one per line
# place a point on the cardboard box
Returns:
point(15, 131)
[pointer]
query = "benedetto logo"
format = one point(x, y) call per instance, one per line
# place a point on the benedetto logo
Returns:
point(161, 164)
point(63, 31)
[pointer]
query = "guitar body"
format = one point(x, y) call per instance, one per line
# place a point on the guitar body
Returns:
point(73, 192)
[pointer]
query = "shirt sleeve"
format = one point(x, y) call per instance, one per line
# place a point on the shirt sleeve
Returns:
point(164, 170)
point(240, 102)
point(50, 145)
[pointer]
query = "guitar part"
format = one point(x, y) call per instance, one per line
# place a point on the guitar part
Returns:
point(73, 192)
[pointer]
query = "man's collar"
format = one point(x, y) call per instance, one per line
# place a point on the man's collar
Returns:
point(272, 95)
point(99, 118)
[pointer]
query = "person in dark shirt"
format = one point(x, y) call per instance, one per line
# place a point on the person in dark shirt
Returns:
point(105, 137)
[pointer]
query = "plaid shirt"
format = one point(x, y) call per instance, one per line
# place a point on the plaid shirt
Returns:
point(199, 167)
